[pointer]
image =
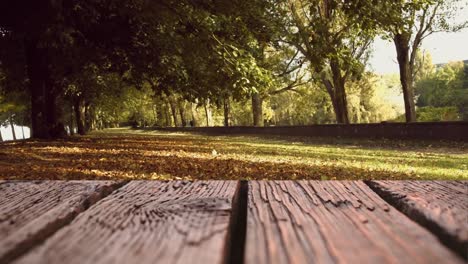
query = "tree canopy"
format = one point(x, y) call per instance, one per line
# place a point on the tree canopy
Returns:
point(93, 64)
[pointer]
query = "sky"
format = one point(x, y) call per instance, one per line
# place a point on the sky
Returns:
point(443, 47)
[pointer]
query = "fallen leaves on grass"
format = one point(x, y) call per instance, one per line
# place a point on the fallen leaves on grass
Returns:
point(127, 156)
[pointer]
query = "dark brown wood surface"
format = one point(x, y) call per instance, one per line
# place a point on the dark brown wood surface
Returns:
point(333, 222)
point(203, 222)
point(30, 211)
point(147, 222)
point(441, 206)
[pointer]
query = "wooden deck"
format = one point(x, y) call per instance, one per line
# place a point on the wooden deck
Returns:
point(233, 222)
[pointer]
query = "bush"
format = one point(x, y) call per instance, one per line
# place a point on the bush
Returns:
point(434, 114)
point(429, 113)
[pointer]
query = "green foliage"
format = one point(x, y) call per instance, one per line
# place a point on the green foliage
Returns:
point(333, 37)
point(424, 16)
point(408, 23)
point(434, 114)
point(138, 106)
point(241, 113)
point(14, 102)
point(423, 67)
point(324, 31)
point(134, 60)
point(304, 106)
point(429, 113)
point(366, 102)
point(14, 108)
point(444, 89)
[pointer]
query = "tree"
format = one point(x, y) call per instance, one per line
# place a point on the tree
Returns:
point(305, 105)
point(367, 102)
point(333, 36)
point(212, 55)
point(408, 23)
point(13, 108)
point(288, 71)
point(56, 39)
point(443, 89)
point(423, 66)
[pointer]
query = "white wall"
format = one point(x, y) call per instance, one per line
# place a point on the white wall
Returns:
point(6, 132)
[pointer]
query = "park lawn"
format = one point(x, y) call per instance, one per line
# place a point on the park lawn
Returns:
point(138, 154)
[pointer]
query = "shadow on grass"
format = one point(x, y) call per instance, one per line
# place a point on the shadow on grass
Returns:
point(361, 143)
point(185, 157)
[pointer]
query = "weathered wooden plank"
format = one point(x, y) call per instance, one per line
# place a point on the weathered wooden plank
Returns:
point(30, 211)
point(147, 222)
point(333, 222)
point(441, 206)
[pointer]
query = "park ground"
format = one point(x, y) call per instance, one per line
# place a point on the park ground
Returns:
point(138, 154)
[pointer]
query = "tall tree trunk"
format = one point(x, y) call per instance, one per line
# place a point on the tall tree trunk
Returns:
point(90, 118)
point(227, 109)
point(72, 132)
point(331, 92)
point(79, 108)
point(36, 72)
point(173, 105)
point(156, 115)
point(12, 125)
point(208, 113)
point(257, 109)
point(160, 115)
point(340, 98)
point(56, 129)
point(183, 119)
point(22, 131)
point(167, 115)
point(193, 108)
point(337, 93)
point(406, 74)
point(341, 102)
point(44, 92)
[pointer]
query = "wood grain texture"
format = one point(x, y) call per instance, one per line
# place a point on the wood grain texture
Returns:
point(441, 206)
point(333, 222)
point(30, 211)
point(147, 222)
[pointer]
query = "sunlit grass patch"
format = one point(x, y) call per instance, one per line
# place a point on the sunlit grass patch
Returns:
point(134, 154)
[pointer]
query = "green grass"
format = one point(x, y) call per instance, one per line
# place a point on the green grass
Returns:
point(398, 159)
point(138, 154)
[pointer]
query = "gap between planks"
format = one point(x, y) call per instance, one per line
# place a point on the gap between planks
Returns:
point(237, 226)
point(439, 206)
